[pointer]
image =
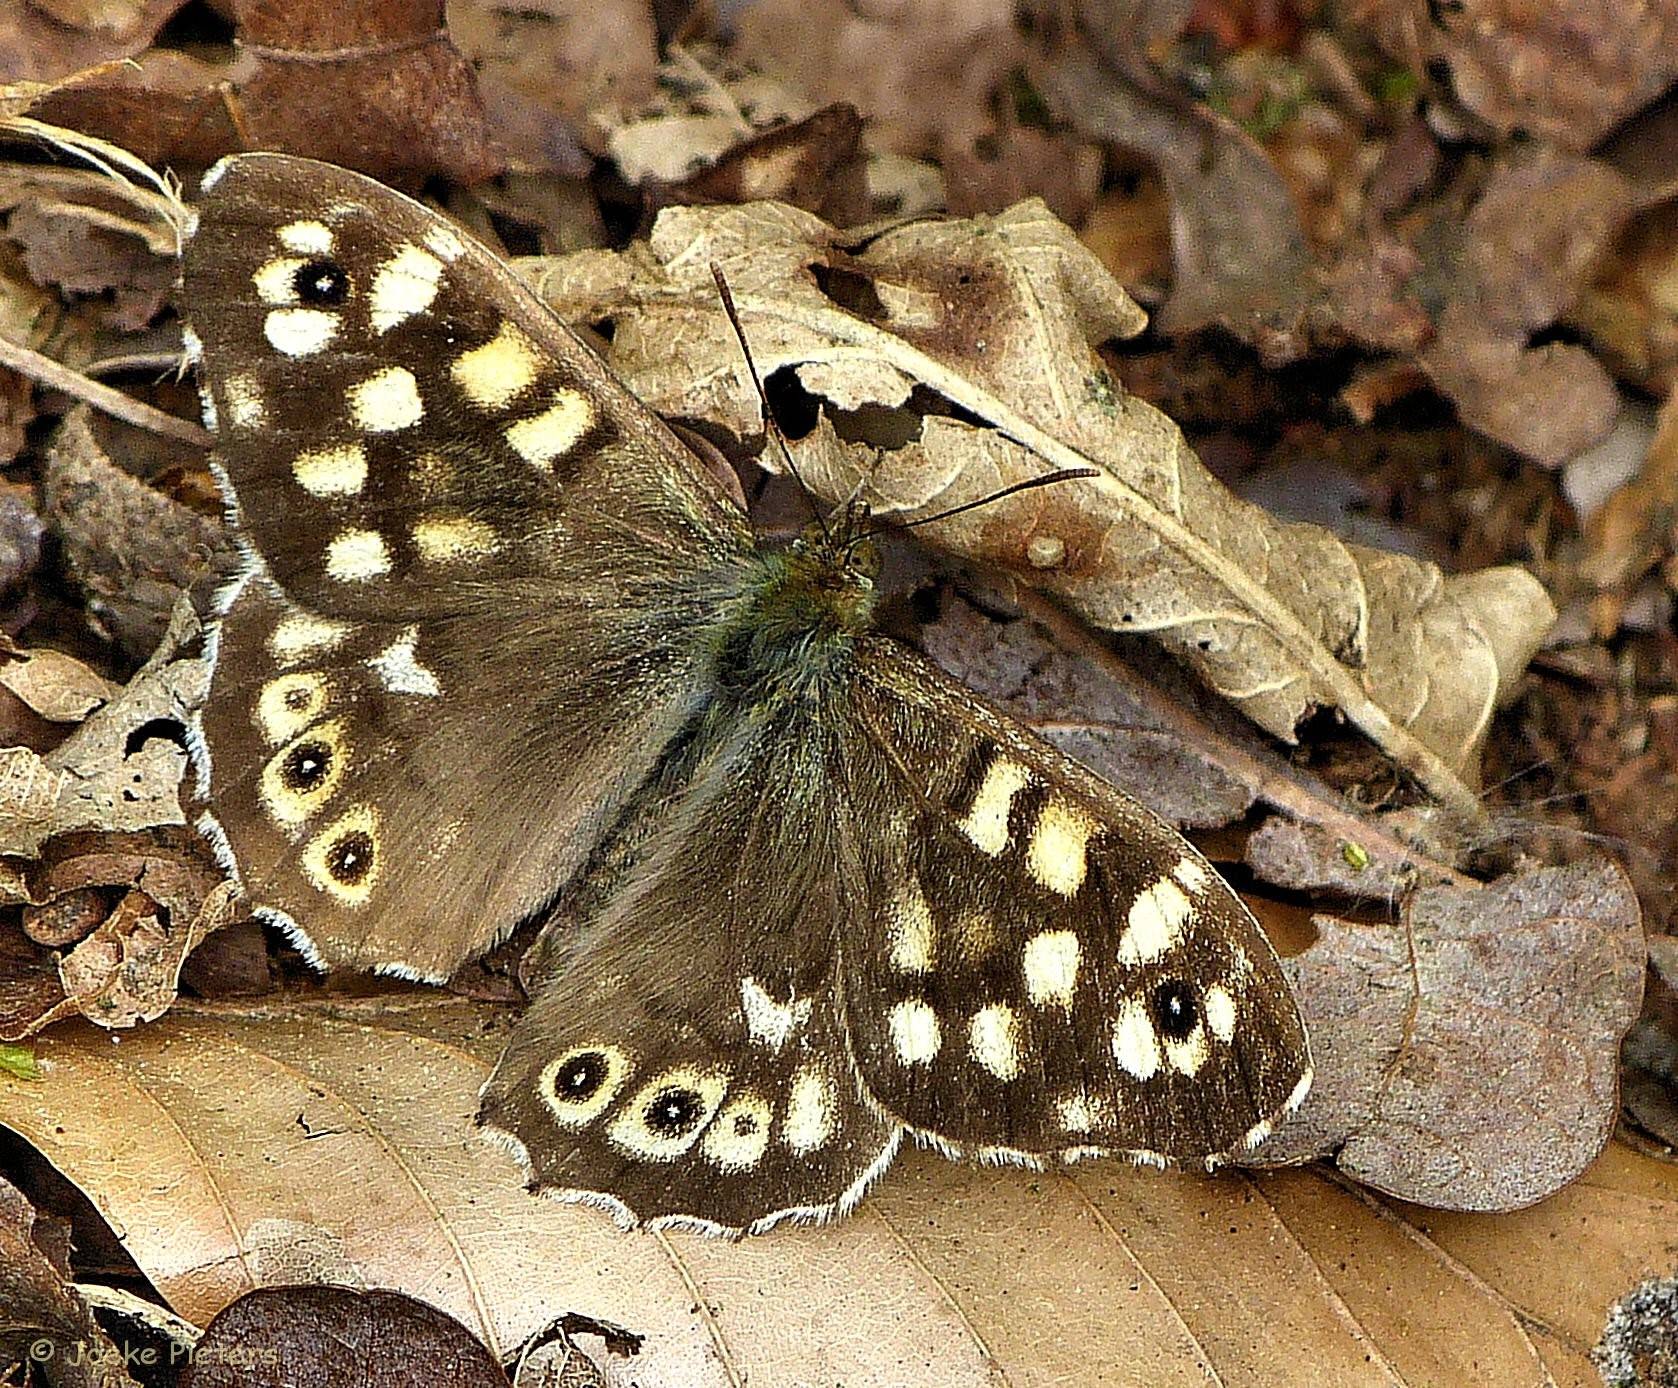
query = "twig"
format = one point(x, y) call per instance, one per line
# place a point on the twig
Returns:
point(37, 366)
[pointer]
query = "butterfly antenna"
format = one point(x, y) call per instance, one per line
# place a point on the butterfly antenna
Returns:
point(1065, 474)
point(769, 424)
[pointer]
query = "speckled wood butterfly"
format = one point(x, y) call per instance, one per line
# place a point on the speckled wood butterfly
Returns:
point(502, 647)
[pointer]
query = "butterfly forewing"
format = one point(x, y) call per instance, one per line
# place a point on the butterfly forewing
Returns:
point(1050, 969)
point(461, 534)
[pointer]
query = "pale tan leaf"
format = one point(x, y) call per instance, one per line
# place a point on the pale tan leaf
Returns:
point(57, 686)
point(98, 781)
point(998, 317)
point(333, 1141)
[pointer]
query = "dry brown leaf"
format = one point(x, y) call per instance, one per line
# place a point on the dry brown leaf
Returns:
point(886, 59)
point(130, 547)
point(554, 75)
point(1524, 253)
point(95, 778)
point(993, 321)
point(1468, 1058)
point(1628, 534)
point(330, 1141)
point(1238, 249)
point(43, 1322)
point(333, 1337)
point(1568, 70)
point(57, 686)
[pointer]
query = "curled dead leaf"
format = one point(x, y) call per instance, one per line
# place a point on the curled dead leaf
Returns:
point(955, 358)
point(1468, 1058)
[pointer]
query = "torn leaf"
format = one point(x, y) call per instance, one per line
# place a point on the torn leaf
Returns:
point(956, 358)
point(1468, 1057)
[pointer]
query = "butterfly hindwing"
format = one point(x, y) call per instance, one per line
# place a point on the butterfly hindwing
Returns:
point(685, 1057)
point(1048, 968)
point(426, 467)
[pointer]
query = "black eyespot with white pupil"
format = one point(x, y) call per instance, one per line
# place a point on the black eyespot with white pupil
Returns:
point(675, 1112)
point(580, 1077)
point(306, 766)
point(1175, 1010)
point(350, 858)
point(321, 284)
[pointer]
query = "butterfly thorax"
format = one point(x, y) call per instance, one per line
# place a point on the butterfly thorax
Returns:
point(794, 633)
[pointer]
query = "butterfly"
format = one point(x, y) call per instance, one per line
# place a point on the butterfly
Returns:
point(502, 649)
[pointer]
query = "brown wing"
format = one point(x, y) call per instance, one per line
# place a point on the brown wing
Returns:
point(477, 570)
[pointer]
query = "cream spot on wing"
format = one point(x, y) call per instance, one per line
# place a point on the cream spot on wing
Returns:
point(302, 775)
point(246, 409)
point(288, 704)
point(387, 400)
point(909, 926)
point(1220, 1012)
point(1189, 1054)
point(812, 1104)
point(404, 285)
point(1135, 1042)
point(542, 438)
point(993, 1039)
point(445, 243)
point(354, 556)
point(300, 332)
point(1058, 855)
point(914, 1032)
point(1079, 1112)
point(276, 280)
point(345, 860)
point(304, 634)
point(986, 823)
point(1155, 924)
point(306, 238)
point(768, 1022)
point(399, 670)
point(580, 1085)
point(494, 375)
point(340, 471)
point(1051, 961)
point(738, 1135)
point(668, 1113)
point(192, 346)
point(1193, 874)
point(449, 539)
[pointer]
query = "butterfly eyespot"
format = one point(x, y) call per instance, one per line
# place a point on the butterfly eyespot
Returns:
point(1175, 1010)
point(349, 858)
point(580, 1077)
point(320, 284)
point(675, 1112)
point(307, 766)
point(580, 1085)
